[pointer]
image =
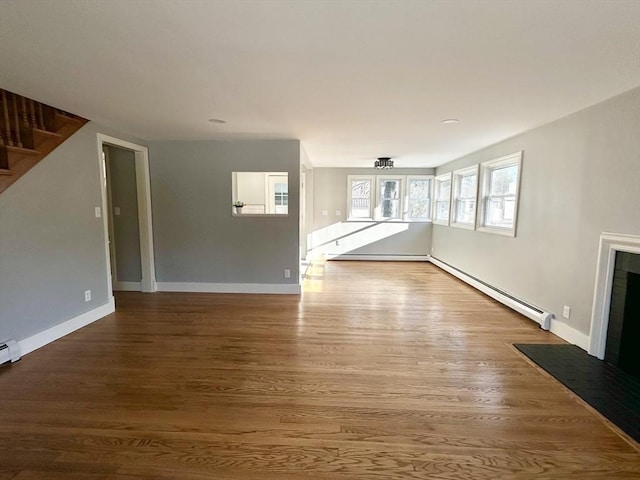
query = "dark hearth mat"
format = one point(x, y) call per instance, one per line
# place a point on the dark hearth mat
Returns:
point(612, 392)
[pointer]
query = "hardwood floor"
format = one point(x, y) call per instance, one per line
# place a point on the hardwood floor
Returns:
point(379, 371)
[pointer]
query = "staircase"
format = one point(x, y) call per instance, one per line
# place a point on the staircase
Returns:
point(29, 131)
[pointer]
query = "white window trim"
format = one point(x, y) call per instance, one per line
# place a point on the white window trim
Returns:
point(406, 198)
point(373, 200)
point(485, 169)
point(455, 197)
point(441, 178)
point(378, 201)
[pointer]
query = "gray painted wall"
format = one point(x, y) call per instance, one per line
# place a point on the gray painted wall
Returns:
point(580, 177)
point(52, 247)
point(197, 239)
point(361, 238)
point(126, 233)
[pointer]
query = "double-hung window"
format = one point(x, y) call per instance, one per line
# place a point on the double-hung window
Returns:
point(442, 199)
point(418, 198)
point(389, 204)
point(465, 190)
point(360, 193)
point(500, 180)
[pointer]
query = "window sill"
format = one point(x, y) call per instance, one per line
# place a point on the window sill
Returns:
point(464, 226)
point(268, 215)
point(505, 232)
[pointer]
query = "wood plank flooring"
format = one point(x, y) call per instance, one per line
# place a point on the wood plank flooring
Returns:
point(378, 371)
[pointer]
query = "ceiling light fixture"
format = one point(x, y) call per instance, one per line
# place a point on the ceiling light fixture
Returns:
point(384, 162)
point(450, 120)
point(217, 120)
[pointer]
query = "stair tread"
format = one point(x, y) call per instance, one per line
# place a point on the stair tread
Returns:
point(27, 151)
point(5, 171)
point(46, 132)
point(69, 118)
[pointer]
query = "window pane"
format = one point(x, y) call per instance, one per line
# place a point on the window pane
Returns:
point(444, 190)
point(466, 210)
point(390, 198)
point(419, 198)
point(500, 211)
point(468, 186)
point(442, 210)
point(360, 198)
point(503, 180)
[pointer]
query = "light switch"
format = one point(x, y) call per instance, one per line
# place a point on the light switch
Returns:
point(116, 211)
point(338, 213)
point(325, 213)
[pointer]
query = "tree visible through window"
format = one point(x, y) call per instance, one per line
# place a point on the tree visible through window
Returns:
point(390, 198)
point(360, 198)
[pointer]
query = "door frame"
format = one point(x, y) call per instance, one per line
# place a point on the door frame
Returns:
point(145, 221)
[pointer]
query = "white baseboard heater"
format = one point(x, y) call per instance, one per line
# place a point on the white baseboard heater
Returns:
point(9, 351)
point(530, 311)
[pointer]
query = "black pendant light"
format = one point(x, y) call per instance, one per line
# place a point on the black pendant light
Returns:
point(384, 162)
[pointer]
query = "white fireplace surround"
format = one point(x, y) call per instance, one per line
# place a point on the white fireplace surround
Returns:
point(610, 243)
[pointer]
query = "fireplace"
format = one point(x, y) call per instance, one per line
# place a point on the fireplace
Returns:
point(617, 277)
point(623, 331)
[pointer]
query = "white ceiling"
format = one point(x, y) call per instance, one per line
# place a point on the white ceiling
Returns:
point(353, 80)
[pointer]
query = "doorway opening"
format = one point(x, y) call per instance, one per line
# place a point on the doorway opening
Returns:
point(126, 203)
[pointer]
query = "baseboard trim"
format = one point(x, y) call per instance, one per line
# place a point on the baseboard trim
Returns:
point(193, 287)
point(380, 258)
point(128, 286)
point(570, 334)
point(45, 337)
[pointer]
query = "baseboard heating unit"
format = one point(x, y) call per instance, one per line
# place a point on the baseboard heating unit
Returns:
point(530, 311)
point(9, 351)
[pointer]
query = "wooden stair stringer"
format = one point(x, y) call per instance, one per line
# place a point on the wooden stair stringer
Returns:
point(20, 161)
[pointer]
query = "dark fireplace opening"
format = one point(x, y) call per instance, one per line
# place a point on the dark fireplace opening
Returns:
point(623, 333)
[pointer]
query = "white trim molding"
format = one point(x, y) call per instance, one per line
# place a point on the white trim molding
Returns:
point(194, 287)
point(143, 187)
point(610, 243)
point(127, 286)
point(41, 339)
point(570, 334)
point(380, 258)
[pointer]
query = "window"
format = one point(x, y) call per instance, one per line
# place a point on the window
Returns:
point(465, 190)
point(500, 180)
point(389, 198)
point(360, 196)
point(442, 199)
point(418, 198)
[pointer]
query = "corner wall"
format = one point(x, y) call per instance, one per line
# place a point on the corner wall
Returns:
point(580, 177)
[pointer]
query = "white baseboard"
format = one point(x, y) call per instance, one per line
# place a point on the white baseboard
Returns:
point(128, 286)
point(570, 334)
point(380, 258)
point(193, 287)
point(54, 333)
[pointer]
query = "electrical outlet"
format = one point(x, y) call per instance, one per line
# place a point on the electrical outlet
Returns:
point(337, 243)
point(287, 273)
point(116, 211)
point(98, 212)
point(325, 213)
point(338, 213)
point(87, 295)
point(566, 311)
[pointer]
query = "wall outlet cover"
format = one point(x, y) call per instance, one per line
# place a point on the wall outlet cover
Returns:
point(566, 311)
